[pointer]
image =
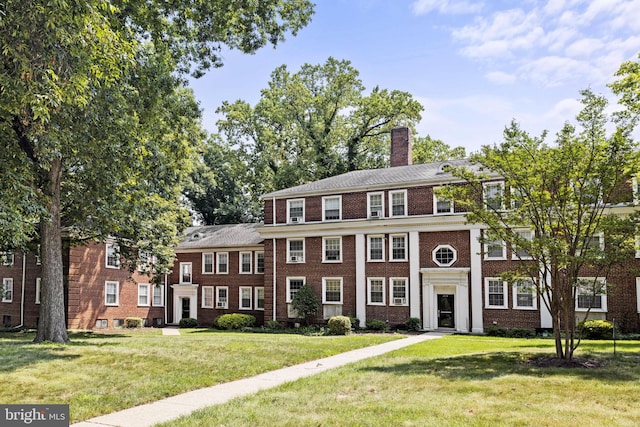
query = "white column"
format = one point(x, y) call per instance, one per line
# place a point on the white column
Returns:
point(462, 309)
point(427, 305)
point(361, 280)
point(414, 274)
point(476, 281)
point(546, 321)
point(274, 292)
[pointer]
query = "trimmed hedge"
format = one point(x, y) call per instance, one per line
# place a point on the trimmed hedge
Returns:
point(377, 325)
point(597, 329)
point(234, 321)
point(497, 331)
point(133, 322)
point(339, 325)
point(188, 322)
point(413, 324)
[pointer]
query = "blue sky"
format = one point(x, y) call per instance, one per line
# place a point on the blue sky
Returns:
point(473, 65)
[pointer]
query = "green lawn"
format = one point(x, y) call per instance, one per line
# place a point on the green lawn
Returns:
point(102, 373)
point(452, 381)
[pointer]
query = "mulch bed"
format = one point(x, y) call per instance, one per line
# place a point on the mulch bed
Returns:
point(576, 362)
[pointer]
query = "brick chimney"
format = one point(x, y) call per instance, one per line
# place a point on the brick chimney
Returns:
point(401, 147)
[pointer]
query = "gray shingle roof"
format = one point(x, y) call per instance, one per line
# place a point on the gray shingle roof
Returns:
point(393, 176)
point(210, 236)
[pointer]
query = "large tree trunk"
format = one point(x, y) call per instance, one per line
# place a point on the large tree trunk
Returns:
point(52, 325)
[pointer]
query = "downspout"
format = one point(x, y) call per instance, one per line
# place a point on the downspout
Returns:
point(24, 280)
point(166, 291)
point(273, 262)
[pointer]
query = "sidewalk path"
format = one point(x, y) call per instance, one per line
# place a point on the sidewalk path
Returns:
point(184, 404)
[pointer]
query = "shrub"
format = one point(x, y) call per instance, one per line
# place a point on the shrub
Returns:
point(355, 323)
point(188, 322)
point(377, 325)
point(413, 324)
point(235, 321)
point(521, 333)
point(306, 303)
point(339, 325)
point(274, 324)
point(496, 331)
point(597, 329)
point(133, 322)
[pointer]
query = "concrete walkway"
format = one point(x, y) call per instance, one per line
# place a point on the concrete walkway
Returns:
point(170, 330)
point(184, 404)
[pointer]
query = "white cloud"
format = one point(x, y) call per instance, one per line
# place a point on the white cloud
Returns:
point(454, 7)
point(584, 47)
point(500, 77)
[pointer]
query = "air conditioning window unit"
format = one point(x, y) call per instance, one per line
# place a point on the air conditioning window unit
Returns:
point(292, 313)
point(375, 214)
point(296, 219)
point(399, 301)
point(295, 258)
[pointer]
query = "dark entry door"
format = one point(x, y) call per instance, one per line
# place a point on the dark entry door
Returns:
point(185, 308)
point(446, 318)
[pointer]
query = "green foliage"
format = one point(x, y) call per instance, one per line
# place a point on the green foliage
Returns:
point(339, 325)
point(355, 323)
point(188, 322)
point(427, 150)
point(596, 329)
point(497, 331)
point(234, 321)
point(377, 325)
point(133, 322)
point(274, 324)
point(306, 303)
point(413, 324)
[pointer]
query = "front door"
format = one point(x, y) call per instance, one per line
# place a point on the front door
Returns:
point(446, 318)
point(186, 302)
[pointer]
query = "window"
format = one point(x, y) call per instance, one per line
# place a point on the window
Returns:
point(595, 243)
point(398, 248)
point(376, 248)
point(398, 202)
point(495, 293)
point(38, 256)
point(145, 261)
point(493, 195)
point(207, 263)
point(7, 258)
point(516, 197)
point(375, 291)
point(111, 293)
point(441, 204)
point(375, 205)
point(38, 289)
point(207, 297)
point(295, 250)
point(245, 262)
point(113, 255)
point(222, 297)
point(494, 249)
point(332, 251)
point(259, 262)
point(143, 294)
point(634, 187)
point(519, 252)
point(185, 273)
point(444, 255)
point(398, 291)
point(295, 211)
point(293, 285)
point(245, 298)
point(223, 262)
point(7, 287)
point(331, 208)
point(332, 290)
point(590, 294)
point(524, 294)
point(158, 296)
point(259, 298)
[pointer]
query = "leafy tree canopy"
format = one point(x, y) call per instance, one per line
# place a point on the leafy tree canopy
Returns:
point(427, 150)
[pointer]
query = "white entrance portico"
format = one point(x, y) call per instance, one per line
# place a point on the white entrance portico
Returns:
point(185, 302)
point(445, 299)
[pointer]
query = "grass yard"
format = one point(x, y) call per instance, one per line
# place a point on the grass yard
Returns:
point(452, 381)
point(101, 373)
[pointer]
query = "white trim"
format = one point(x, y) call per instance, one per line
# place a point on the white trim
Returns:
point(205, 291)
point(488, 243)
point(380, 213)
point(140, 287)
point(183, 272)
point(486, 186)
point(406, 248)
point(295, 258)
point(324, 201)
point(382, 290)
point(111, 247)
point(442, 264)
point(413, 282)
point(375, 236)
point(7, 288)
point(324, 249)
point(521, 233)
point(392, 299)
point(240, 298)
point(603, 295)
point(361, 281)
point(297, 219)
point(435, 203)
point(38, 290)
point(477, 321)
point(288, 297)
point(258, 290)
point(8, 258)
point(153, 293)
point(514, 289)
point(324, 290)
point(505, 296)
point(117, 293)
point(222, 303)
point(406, 207)
point(257, 269)
point(204, 263)
point(218, 263)
point(241, 262)
point(638, 294)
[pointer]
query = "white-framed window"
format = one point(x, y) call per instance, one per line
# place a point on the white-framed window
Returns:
point(332, 290)
point(397, 247)
point(295, 250)
point(634, 188)
point(7, 287)
point(259, 262)
point(638, 293)
point(495, 293)
point(207, 296)
point(245, 262)
point(591, 294)
point(332, 249)
point(244, 298)
point(112, 255)
point(376, 291)
point(376, 248)
point(186, 270)
point(515, 198)
point(445, 255)
point(222, 297)
point(295, 211)
point(7, 258)
point(441, 205)
point(293, 285)
point(398, 203)
point(222, 262)
point(146, 261)
point(493, 194)
point(494, 250)
point(158, 295)
point(259, 296)
point(331, 208)
point(595, 242)
point(638, 246)
point(375, 205)
point(143, 294)
point(399, 291)
point(521, 253)
point(111, 293)
point(524, 294)
point(38, 289)
point(207, 263)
